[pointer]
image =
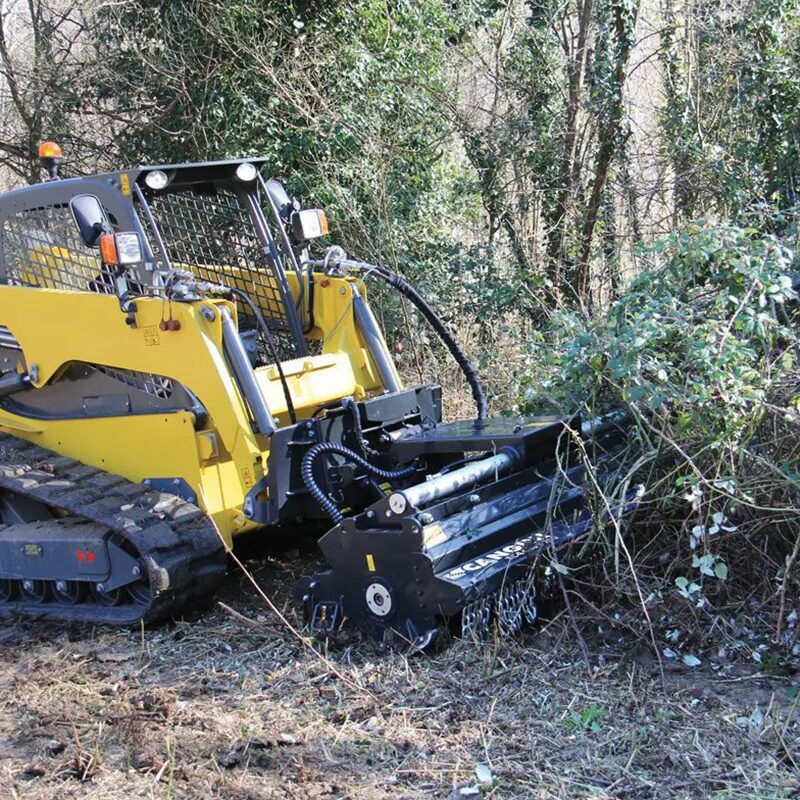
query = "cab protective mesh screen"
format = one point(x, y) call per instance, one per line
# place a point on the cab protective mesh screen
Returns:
point(212, 235)
point(42, 247)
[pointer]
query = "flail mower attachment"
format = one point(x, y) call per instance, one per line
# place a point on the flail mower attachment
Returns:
point(461, 548)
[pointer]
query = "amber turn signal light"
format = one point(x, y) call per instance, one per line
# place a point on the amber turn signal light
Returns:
point(50, 150)
point(108, 249)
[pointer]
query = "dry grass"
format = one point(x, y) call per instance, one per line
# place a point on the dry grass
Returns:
point(232, 705)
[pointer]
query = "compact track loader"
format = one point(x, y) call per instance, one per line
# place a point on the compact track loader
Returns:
point(177, 373)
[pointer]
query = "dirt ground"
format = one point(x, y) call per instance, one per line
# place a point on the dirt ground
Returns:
point(234, 705)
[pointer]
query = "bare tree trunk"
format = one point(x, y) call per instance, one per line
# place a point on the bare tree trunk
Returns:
point(569, 174)
point(49, 71)
point(612, 140)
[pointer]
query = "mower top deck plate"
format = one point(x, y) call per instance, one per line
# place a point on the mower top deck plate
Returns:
point(534, 435)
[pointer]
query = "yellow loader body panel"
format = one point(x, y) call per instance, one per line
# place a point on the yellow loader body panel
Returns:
point(223, 459)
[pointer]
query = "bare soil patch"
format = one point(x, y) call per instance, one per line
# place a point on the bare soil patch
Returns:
point(226, 707)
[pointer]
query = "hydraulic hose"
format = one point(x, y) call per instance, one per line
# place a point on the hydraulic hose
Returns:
point(262, 323)
point(326, 448)
point(436, 322)
point(351, 404)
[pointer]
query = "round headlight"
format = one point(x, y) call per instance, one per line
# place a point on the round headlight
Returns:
point(246, 172)
point(157, 179)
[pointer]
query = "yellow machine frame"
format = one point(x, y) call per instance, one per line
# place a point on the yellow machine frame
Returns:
point(224, 459)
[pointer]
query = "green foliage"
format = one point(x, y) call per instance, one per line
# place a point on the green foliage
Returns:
point(588, 720)
point(537, 114)
point(731, 120)
point(701, 349)
point(702, 337)
point(616, 23)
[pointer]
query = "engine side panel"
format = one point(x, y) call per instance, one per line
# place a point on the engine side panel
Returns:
point(219, 457)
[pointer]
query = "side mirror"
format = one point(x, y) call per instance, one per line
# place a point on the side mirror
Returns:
point(281, 199)
point(90, 218)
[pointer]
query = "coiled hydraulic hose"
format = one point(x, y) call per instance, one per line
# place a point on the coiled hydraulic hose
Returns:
point(326, 448)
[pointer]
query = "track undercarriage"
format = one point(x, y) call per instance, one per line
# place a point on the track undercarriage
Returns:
point(93, 547)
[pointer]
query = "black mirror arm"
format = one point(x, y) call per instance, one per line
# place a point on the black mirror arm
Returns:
point(99, 229)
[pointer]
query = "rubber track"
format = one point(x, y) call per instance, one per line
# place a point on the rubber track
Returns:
point(178, 544)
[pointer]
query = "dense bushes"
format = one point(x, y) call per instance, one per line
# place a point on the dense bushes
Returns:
point(702, 348)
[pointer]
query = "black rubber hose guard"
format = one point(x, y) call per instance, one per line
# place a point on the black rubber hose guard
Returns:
point(324, 448)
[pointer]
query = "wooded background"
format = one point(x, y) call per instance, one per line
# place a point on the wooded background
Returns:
point(526, 147)
point(599, 195)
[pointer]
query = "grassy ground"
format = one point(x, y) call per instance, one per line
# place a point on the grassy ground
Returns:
point(234, 705)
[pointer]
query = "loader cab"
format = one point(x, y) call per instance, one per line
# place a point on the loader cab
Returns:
point(219, 220)
point(229, 226)
point(130, 233)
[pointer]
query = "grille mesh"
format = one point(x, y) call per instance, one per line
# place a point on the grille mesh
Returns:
point(212, 235)
point(43, 248)
point(155, 385)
